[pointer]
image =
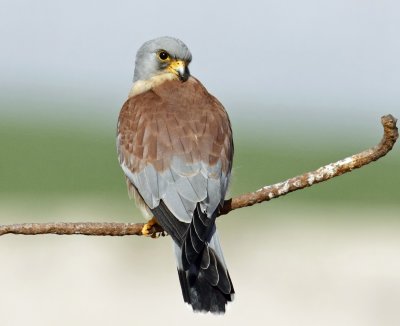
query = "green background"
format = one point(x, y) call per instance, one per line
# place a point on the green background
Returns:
point(40, 160)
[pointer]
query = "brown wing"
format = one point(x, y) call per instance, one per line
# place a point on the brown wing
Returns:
point(175, 147)
point(175, 144)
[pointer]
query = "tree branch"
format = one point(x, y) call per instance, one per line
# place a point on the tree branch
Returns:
point(264, 194)
point(324, 173)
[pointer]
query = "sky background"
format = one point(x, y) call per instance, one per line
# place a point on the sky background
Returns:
point(274, 62)
point(305, 83)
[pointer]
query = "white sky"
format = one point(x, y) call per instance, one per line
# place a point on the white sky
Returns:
point(283, 59)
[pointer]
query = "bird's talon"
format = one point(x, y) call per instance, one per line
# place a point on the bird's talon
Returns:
point(146, 230)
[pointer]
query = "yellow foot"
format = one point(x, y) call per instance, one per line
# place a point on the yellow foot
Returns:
point(147, 228)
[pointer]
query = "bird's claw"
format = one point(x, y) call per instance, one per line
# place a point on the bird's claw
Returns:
point(147, 229)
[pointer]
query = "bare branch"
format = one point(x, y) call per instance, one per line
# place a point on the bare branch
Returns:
point(264, 194)
point(88, 228)
point(324, 173)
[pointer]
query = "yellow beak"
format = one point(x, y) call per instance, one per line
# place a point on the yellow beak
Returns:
point(179, 68)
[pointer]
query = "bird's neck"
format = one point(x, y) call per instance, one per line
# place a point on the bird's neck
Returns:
point(141, 86)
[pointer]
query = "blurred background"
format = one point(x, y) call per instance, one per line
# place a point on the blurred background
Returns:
point(305, 84)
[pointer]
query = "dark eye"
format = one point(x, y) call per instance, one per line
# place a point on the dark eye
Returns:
point(163, 55)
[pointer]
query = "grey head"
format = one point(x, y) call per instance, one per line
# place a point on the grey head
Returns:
point(162, 55)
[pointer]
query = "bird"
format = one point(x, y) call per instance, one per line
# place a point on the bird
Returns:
point(175, 147)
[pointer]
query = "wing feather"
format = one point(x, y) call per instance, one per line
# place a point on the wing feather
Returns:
point(175, 147)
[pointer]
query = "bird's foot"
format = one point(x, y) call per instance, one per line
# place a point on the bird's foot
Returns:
point(148, 229)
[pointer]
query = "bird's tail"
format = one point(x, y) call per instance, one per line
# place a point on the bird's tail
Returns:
point(206, 284)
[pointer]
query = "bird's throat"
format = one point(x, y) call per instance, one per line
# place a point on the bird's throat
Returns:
point(142, 86)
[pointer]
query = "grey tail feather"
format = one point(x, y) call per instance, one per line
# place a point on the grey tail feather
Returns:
point(205, 281)
point(202, 296)
point(208, 287)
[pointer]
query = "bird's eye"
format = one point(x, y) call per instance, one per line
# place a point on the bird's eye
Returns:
point(163, 55)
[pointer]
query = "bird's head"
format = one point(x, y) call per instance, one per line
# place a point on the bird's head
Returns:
point(163, 55)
